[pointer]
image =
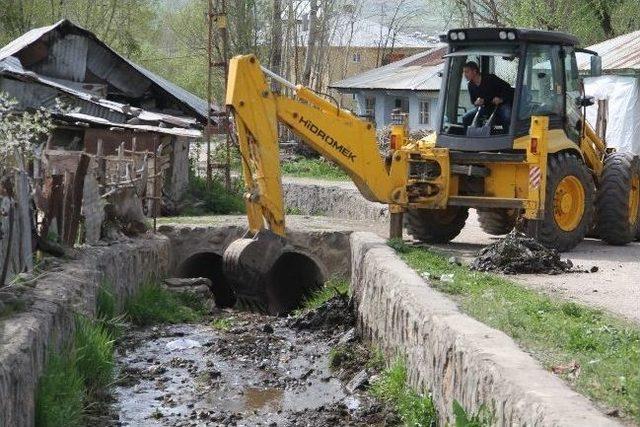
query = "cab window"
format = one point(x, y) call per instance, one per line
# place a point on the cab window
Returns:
point(541, 92)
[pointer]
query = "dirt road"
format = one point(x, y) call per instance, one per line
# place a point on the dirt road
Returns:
point(615, 287)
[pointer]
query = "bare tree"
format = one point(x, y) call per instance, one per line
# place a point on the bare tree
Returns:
point(275, 61)
point(311, 41)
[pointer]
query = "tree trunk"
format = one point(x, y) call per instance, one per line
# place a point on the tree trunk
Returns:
point(275, 62)
point(311, 41)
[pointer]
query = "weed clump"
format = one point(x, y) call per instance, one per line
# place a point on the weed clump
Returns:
point(153, 304)
point(61, 393)
point(413, 408)
point(77, 376)
point(94, 359)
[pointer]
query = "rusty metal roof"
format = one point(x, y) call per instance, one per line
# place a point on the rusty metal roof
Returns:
point(619, 55)
point(69, 57)
point(421, 71)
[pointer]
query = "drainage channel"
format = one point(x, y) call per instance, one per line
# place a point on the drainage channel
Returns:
point(240, 368)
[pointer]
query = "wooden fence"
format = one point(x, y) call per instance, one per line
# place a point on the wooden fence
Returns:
point(64, 198)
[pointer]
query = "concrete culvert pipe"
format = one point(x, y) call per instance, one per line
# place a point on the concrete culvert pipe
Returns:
point(209, 265)
point(293, 278)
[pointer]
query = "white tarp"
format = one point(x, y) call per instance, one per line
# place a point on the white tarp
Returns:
point(623, 125)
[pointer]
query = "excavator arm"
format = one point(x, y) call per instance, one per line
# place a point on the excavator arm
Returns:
point(333, 132)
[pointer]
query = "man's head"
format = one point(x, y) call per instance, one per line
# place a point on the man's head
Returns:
point(471, 71)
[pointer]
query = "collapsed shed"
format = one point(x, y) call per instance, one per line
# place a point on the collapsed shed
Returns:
point(113, 99)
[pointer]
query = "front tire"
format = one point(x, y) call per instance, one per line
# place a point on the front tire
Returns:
point(618, 202)
point(569, 201)
point(496, 221)
point(435, 225)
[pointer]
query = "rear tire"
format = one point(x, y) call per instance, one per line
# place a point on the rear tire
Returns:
point(569, 200)
point(435, 225)
point(497, 222)
point(619, 199)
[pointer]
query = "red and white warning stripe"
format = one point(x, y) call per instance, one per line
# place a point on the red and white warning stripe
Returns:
point(535, 177)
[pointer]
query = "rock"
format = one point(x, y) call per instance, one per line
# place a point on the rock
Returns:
point(455, 260)
point(348, 337)
point(427, 276)
point(447, 278)
point(594, 269)
point(358, 381)
point(182, 344)
point(177, 282)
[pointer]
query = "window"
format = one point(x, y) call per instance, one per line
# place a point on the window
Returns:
point(370, 106)
point(500, 60)
point(572, 82)
point(402, 104)
point(425, 118)
point(542, 83)
point(356, 57)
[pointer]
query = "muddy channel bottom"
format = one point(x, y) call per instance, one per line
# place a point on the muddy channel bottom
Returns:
point(261, 371)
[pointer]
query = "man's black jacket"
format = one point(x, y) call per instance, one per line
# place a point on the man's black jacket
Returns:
point(491, 86)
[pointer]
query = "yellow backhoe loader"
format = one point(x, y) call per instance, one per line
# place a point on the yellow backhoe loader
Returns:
point(543, 163)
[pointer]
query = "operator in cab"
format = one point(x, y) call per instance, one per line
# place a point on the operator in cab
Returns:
point(486, 90)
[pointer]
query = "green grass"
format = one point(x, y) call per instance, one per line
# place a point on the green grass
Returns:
point(331, 288)
point(414, 409)
point(94, 354)
point(211, 199)
point(556, 332)
point(314, 168)
point(61, 393)
point(76, 377)
point(222, 324)
point(106, 311)
point(483, 417)
point(153, 304)
point(106, 306)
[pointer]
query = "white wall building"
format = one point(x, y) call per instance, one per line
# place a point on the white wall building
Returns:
point(411, 84)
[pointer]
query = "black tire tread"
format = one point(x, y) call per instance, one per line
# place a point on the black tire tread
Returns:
point(426, 225)
point(548, 233)
point(612, 204)
point(497, 222)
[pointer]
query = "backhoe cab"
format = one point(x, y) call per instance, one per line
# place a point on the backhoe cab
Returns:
point(517, 147)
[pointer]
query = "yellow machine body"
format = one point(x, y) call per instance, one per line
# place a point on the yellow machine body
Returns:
point(351, 143)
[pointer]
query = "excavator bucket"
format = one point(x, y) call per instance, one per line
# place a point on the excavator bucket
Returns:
point(268, 275)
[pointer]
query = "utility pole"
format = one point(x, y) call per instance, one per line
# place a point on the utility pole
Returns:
point(209, 95)
point(217, 15)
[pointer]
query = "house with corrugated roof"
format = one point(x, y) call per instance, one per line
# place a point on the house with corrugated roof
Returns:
point(113, 99)
point(357, 45)
point(411, 85)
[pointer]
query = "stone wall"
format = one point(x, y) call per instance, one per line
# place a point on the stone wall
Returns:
point(332, 199)
point(328, 248)
point(452, 355)
point(27, 337)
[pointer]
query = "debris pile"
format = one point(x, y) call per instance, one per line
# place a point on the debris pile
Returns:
point(334, 315)
point(518, 253)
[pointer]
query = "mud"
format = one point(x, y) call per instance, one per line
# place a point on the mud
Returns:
point(249, 370)
point(517, 253)
point(336, 315)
